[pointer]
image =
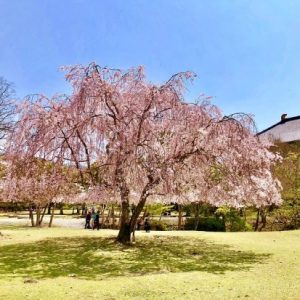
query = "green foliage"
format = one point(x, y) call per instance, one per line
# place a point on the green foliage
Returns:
point(158, 209)
point(2, 168)
point(232, 219)
point(217, 172)
point(13, 206)
point(288, 172)
point(202, 209)
point(158, 225)
point(205, 224)
point(215, 219)
point(285, 219)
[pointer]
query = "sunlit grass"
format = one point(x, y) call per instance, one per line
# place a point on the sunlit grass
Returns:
point(93, 257)
point(79, 264)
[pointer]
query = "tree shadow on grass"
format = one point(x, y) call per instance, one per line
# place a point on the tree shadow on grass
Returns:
point(92, 258)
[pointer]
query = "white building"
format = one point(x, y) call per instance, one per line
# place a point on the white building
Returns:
point(287, 130)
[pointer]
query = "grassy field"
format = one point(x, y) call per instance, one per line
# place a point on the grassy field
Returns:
point(64, 263)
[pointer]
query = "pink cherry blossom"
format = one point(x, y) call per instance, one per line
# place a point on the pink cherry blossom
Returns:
point(133, 141)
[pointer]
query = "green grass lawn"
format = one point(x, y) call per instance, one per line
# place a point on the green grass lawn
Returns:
point(80, 264)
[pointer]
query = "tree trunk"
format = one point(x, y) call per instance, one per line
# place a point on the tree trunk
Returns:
point(128, 224)
point(124, 235)
point(103, 216)
point(263, 220)
point(61, 211)
point(83, 212)
point(52, 215)
point(160, 216)
point(197, 212)
point(38, 215)
point(124, 232)
point(145, 214)
point(245, 214)
point(49, 209)
point(257, 220)
point(107, 220)
point(31, 217)
point(42, 217)
point(179, 216)
point(119, 218)
point(113, 216)
point(138, 211)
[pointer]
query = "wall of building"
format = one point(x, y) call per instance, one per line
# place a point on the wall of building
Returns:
point(286, 131)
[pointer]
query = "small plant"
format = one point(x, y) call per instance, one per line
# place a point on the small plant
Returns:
point(205, 224)
point(158, 225)
point(232, 219)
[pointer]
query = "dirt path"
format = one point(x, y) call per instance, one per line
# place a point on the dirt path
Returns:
point(57, 221)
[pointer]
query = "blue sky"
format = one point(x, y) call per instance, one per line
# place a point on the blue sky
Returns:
point(246, 53)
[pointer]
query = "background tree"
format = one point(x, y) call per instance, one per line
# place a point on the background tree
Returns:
point(7, 107)
point(288, 172)
point(38, 183)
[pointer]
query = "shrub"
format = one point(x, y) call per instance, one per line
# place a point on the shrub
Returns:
point(205, 224)
point(158, 225)
point(232, 219)
point(238, 224)
point(286, 219)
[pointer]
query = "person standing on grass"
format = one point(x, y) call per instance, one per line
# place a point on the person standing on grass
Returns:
point(147, 225)
point(97, 220)
point(88, 220)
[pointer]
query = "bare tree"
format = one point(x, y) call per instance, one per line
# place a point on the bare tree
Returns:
point(7, 107)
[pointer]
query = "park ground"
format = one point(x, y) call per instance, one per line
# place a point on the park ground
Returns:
point(72, 263)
